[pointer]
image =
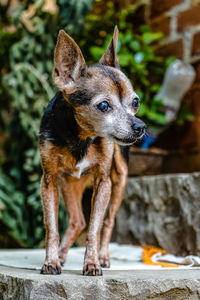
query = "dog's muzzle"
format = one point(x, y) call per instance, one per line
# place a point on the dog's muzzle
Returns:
point(138, 128)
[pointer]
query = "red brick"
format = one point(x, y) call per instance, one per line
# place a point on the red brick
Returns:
point(192, 99)
point(197, 69)
point(196, 44)
point(161, 24)
point(189, 17)
point(172, 49)
point(137, 17)
point(192, 128)
point(158, 7)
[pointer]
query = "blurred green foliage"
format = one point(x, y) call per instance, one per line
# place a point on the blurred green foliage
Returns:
point(11, 202)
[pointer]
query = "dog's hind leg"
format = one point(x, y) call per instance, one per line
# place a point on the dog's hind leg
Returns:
point(119, 179)
point(72, 190)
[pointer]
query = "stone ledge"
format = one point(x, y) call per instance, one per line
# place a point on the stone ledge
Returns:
point(20, 284)
point(162, 210)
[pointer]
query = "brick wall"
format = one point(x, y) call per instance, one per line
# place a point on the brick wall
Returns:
point(179, 20)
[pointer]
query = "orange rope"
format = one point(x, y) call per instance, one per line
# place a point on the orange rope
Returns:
point(149, 251)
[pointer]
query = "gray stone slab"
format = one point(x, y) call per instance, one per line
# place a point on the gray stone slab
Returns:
point(20, 284)
point(163, 211)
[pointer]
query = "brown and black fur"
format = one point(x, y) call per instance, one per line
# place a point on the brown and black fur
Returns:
point(82, 146)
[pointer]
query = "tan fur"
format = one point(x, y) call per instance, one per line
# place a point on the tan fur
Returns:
point(119, 174)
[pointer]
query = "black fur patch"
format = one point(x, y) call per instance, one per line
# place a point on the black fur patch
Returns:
point(59, 127)
point(125, 153)
point(82, 97)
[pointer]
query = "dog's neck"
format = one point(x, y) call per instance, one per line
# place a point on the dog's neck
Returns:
point(60, 127)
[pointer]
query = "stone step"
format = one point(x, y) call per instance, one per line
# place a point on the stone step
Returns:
point(22, 284)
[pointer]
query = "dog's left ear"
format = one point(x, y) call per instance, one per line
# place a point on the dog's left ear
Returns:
point(110, 56)
point(69, 63)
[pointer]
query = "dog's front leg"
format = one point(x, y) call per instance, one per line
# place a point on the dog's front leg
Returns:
point(100, 199)
point(50, 199)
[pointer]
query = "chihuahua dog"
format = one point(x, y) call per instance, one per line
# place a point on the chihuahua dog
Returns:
point(84, 137)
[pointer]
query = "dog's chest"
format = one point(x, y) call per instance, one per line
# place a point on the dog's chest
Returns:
point(80, 167)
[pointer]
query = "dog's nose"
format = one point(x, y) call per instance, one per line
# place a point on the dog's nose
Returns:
point(138, 127)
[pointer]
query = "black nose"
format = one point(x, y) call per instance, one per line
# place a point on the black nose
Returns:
point(138, 126)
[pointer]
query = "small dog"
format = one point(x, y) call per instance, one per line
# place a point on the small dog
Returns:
point(84, 137)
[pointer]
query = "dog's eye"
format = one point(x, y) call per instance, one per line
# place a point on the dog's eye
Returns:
point(104, 106)
point(135, 102)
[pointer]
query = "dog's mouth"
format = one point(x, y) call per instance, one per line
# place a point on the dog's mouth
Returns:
point(124, 142)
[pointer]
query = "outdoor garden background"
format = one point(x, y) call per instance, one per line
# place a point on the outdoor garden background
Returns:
point(152, 34)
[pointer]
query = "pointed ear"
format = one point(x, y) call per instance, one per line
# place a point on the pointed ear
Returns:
point(110, 56)
point(69, 63)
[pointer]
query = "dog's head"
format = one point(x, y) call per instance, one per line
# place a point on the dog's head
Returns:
point(103, 98)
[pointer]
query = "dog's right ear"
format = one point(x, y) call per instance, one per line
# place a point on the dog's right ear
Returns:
point(110, 56)
point(69, 63)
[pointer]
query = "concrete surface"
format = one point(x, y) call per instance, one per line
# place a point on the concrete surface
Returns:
point(20, 284)
point(123, 257)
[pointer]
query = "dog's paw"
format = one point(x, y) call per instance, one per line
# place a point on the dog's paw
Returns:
point(62, 261)
point(104, 261)
point(62, 258)
point(92, 270)
point(51, 269)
